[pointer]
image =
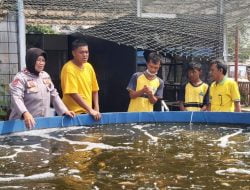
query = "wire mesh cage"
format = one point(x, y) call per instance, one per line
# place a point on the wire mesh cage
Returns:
point(186, 27)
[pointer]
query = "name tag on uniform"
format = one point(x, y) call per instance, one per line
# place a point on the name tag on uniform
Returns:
point(47, 82)
point(32, 86)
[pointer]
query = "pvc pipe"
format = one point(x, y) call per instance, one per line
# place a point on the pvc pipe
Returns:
point(21, 34)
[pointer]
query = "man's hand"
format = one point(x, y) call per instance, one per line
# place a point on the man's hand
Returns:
point(29, 120)
point(70, 113)
point(204, 108)
point(148, 90)
point(95, 114)
point(150, 94)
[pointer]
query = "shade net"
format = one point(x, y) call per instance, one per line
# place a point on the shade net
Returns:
point(185, 27)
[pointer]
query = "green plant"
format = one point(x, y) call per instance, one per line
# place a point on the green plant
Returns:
point(4, 103)
point(39, 29)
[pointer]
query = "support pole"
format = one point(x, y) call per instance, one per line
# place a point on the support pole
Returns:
point(21, 34)
point(236, 54)
point(224, 30)
point(138, 8)
point(221, 30)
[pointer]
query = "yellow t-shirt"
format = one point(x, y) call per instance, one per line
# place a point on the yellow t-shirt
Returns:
point(223, 95)
point(78, 80)
point(137, 82)
point(195, 96)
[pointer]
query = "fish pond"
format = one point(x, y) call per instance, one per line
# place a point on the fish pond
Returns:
point(127, 156)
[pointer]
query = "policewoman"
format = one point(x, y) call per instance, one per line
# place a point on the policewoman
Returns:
point(32, 91)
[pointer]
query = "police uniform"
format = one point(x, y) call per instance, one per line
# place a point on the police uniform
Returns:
point(34, 93)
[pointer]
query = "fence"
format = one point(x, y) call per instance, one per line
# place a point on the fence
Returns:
point(245, 92)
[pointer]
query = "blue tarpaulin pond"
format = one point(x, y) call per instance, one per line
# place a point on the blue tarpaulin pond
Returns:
point(157, 150)
point(115, 118)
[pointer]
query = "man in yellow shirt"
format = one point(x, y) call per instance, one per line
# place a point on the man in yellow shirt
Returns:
point(145, 88)
point(224, 92)
point(79, 83)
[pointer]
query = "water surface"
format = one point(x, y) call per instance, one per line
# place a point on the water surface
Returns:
point(129, 156)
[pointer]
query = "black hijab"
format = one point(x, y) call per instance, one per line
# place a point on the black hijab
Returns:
point(31, 57)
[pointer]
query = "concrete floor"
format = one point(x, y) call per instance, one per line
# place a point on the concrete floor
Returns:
point(245, 108)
